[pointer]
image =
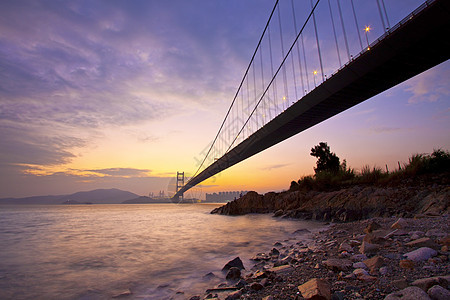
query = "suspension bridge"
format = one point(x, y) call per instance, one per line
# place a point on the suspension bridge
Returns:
point(305, 71)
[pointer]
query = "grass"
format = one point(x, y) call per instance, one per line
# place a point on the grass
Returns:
point(419, 164)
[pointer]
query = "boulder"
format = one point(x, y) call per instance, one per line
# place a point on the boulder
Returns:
point(421, 254)
point(233, 274)
point(437, 292)
point(317, 289)
point(237, 263)
point(410, 293)
point(336, 264)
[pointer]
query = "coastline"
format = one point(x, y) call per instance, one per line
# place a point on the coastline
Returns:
point(365, 259)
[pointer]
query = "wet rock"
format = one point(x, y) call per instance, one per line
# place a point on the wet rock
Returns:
point(409, 293)
point(236, 263)
point(437, 292)
point(274, 252)
point(421, 254)
point(374, 263)
point(337, 265)
point(316, 289)
point(426, 283)
point(399, 224)
point(233, 274)
point(367, 248)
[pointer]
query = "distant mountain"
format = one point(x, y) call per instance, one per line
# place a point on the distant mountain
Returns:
point(100, 196)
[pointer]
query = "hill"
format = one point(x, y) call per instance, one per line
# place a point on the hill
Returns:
point(99, 196)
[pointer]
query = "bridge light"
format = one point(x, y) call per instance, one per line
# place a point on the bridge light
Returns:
point(315, 72)
point(366, 31)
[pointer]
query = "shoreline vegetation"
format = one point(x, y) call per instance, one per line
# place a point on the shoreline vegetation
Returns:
point(388, 238)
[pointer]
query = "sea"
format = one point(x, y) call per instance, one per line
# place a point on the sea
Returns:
point(139, 251)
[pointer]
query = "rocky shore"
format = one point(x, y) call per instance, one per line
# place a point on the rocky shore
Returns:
point(347, 204)
point(378, 258)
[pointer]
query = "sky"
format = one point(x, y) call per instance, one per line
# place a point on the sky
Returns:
point(123, 94)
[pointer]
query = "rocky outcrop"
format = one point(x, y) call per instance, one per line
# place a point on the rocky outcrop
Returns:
point(349, 204)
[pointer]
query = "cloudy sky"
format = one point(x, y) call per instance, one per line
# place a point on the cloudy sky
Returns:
point(123, 94)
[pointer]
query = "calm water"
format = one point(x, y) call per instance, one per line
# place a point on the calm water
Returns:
point(97, 251)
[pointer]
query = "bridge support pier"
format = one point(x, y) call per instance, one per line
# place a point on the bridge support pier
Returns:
point(180, 184)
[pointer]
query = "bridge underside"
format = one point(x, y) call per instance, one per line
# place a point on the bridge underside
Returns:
point(414, 47)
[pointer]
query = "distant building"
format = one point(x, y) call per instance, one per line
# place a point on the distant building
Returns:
point(224, 196)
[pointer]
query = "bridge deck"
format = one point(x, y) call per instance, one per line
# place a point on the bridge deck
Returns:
point(408, 49)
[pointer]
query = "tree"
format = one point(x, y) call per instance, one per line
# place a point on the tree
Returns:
point(327, 160)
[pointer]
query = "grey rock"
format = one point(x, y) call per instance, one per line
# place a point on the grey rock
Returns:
point(437, 292)
point(421, 254)
point(410, 293)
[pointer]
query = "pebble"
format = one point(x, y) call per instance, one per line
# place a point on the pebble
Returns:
point(403, 265)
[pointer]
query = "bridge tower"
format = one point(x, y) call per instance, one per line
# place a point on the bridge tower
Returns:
point(180, 183)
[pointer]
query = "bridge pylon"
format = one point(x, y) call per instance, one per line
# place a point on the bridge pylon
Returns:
point(180, 184)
